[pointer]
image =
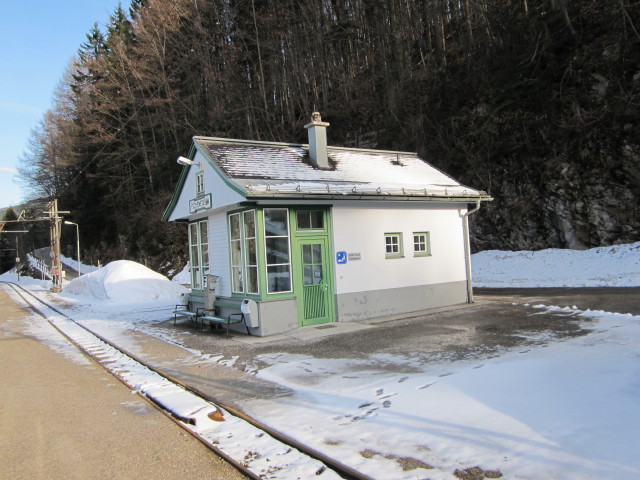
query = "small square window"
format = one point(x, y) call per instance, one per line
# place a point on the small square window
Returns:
point(310, 219)
point(421, 244)
point(393, 245)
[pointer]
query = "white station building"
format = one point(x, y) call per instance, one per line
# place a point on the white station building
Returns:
point(316, 234)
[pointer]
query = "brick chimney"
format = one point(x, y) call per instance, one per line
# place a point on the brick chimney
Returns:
point(317, 130)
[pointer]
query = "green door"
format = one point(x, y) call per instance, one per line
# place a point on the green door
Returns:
point(313, 282)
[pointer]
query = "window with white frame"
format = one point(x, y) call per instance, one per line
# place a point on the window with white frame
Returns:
point(278, 258)
point(244, 253)
point(393, 245)
point(251, 251)
point(198, 252)
point(421, 244)
point(199, 184)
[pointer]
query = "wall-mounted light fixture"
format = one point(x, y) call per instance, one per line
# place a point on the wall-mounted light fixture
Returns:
point(185, 161)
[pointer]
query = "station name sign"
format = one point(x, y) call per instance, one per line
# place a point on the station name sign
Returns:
point(200, 203)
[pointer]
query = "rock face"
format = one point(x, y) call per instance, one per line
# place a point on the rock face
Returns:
point(574, 204)
point(562, 157)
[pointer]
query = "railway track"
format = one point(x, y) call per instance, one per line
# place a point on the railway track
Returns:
point(204, 417)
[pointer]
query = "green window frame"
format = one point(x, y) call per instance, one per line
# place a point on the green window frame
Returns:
point(243, 252)
point(393, 245)
point(198, 252)
point(199, 184)
point(310, 220)
point(277, 248)
point(421, 244)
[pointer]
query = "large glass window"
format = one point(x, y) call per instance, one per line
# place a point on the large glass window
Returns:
point(244, 254)
point(278, 258)
point(198, 253)
point(251, 251)
point(235, 239)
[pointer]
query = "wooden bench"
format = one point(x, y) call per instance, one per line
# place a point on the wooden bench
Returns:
point(209, 315)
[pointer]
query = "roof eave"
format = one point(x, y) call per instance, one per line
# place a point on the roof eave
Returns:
point(372, 197)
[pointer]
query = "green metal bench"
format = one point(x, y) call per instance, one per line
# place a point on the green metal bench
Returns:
point(183, 310)
point(209, 315)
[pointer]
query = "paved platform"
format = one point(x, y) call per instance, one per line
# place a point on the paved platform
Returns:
point(64, 417)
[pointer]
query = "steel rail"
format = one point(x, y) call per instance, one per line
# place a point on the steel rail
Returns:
point(345, 471)
point(21, 291)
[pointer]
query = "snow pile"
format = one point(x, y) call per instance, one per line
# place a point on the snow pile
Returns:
point(183, 277)
point(615, 266)
point(124, 281)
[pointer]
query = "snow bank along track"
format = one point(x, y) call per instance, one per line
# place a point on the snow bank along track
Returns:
point(258, 451)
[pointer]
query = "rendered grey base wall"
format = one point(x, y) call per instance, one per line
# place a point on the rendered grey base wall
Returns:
point(276, 316)
point(395, 301)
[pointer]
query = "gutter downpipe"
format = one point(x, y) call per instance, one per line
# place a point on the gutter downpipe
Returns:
point(467, 249)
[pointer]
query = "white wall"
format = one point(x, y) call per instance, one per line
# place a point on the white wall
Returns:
point(219, 252)
point(222, 194)
point(361, 230)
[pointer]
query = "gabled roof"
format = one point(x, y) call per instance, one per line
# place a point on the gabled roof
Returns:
point(269, 169)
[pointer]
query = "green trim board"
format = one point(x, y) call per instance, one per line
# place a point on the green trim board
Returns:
point(178, 190)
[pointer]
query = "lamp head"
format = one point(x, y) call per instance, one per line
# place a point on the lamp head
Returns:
point(185, 161)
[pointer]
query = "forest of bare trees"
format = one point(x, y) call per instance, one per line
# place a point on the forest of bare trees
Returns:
point(536, 101)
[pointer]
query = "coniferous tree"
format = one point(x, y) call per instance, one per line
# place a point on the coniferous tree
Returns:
point(503, 95)
point(8, 249)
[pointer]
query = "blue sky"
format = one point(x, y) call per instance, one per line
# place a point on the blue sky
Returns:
point(38, 39)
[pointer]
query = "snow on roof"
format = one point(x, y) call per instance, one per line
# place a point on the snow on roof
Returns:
point(270, 169)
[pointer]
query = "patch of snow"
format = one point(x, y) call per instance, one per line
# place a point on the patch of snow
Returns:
point(615, 266)
point(12, 276)
point(570, 409)
point(70, 262)
point(183, 277)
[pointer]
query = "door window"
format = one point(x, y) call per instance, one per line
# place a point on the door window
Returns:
point(312, 264)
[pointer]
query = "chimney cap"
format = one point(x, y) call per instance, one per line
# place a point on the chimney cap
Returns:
point(316, 120)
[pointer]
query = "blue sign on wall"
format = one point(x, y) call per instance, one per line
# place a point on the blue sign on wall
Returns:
point(341, 258)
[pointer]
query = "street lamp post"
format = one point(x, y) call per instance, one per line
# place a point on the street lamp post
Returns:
point(77, 241)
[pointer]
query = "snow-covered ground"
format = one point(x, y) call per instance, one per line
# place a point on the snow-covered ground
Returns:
point(616, 266)
point(566, 409)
